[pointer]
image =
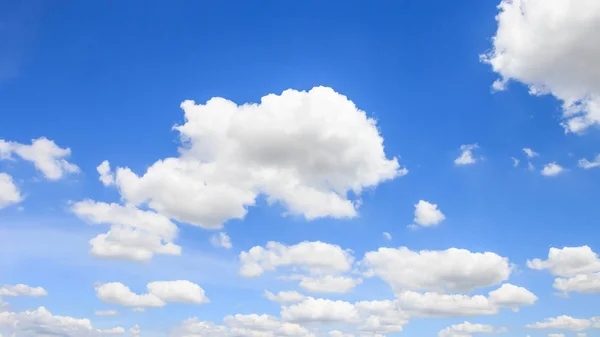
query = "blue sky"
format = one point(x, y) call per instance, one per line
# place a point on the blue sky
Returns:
point(106, 79)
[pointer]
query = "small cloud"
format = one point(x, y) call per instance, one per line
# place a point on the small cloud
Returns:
point(586, 164)
point(221, 240)
point(515, 161)
point(530, 153)
point(387, 235)
point(466, 156)
point(552, 169)
point(427, 215)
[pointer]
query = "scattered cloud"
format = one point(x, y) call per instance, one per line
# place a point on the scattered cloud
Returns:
point(586, 164)
point(106, 313)
point(387, 235)
point(159, 294)
point(466, 329)
point(427, 215)
point(46, 156)
point(552, 169)
point(565, 323)
point(9, 192)
point(466, 156)
point(22, 290)
point(221, 240)
point(530, 153)
point(285, 297)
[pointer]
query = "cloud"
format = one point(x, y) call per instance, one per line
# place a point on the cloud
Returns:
point(251, 325)
point(586, 164)
point(466, 329)
point(466, 155)
point(322, 311)
point(387, 235)
point(221, 240)
point(452, 269)
point(328, 284)
point(556, 335)
point(515, 161)
point(526, 49)
point(427, 214)
point(565, 323)
point(22, 290)
point(581, 283)
point(568, 261)
point(41, 322)
point(134, 235)
point(304, 150)
point(285, 297)
point(530, 153)
point(46, 156)
point(511, 296)
point(552, 169)
point(315, 257)
point(9, 192)
point(106, 313)
point(107, 177)
point(159, 294)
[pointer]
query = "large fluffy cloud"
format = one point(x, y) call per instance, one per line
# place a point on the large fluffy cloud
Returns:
point(135, 234)
point(552, 47)
point(46, 156)
point(314, 257)
point(568, 261)
point(41, 322)
point(306, 150)
point(452, 269)
point(9, 192)
point(159, 294)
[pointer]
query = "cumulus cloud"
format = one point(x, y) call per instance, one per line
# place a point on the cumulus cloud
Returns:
point(314, 257)
point(327, 283)
point(159, 294)
point(41, 322)
point(452, 269)
point(305, 150)
point(134, 234)
point(9, 192)
point(586, 164)
point(552, 169)
point(466, 155)
point(107, 177)
point(581, 283)
point(526, 49)
point(427, 215)
point(46, 156)
point(530, 153)
point(466, 329)
point(285, 297)
point(251, 325)
point(22, 290)
point(568, 261)
point(565, 323)
point(221, 240)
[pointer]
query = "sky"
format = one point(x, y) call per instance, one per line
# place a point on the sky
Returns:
point(299, 169)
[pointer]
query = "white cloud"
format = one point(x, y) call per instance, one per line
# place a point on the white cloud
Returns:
point(581, 283)
point(221, 240)
point(328, 284)
point(581, 334)
point(466, 329)
point(135, 234)
point(285, 297)
point(552, 169)
point(511, 296)
point(251, 325)
point(530, 153)
point(387, 235)
point(305, 150)
point(106, 313)
point(568, 261)
point(563, 323)
point(452, 269)
point(135, 331)
point(337, 333)
point(9, 192)
point(41, 322)
point(466, 155)
point(319, 310)
point(556, 335)
point(586, 164)
point(46, 156)
point(159, 294)
point(315, 257)
point(526, 49)
point(515, 161)
point(22, 290)
point(427, 214)
point(106, 176)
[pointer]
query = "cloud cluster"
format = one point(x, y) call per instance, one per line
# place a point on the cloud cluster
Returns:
point(578, 269)
point(252, 325)
point(567, 323)
point(159, 294)
point(550, 46)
